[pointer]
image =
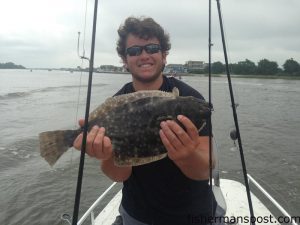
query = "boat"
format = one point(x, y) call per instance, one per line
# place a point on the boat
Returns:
point(225, 190)
point(232, 197)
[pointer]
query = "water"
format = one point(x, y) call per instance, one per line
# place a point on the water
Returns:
point(32, 193)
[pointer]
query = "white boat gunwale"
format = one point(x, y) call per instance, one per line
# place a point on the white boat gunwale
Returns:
point(112, 210)
point(90, 211)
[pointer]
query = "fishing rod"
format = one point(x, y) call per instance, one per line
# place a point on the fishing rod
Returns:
point(85, 127)
point(238, 136)
point(210, 106)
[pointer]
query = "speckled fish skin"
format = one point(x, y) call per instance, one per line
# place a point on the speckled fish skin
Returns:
point(137, 141)
point(132, 121)
point(119, 100)
point(53, 144)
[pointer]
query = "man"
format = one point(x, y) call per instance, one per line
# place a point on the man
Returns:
point(173, 190)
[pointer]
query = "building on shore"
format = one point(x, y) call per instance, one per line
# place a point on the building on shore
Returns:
point(172, 69)
point(194, 65)
point(175, 68)
point(110, 69)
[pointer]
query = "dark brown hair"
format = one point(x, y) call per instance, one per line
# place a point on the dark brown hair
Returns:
point(145, 28)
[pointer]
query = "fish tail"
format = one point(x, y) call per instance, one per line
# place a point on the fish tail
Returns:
point(55, 143)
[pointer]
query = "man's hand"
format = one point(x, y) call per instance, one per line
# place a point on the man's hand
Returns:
point(97, 144)
point(188, 150)
point(179, 143)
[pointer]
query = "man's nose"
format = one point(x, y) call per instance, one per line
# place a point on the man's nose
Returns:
point(144, 53)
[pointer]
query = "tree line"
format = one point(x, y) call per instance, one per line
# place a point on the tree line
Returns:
point(264, 67)
point(10, 65)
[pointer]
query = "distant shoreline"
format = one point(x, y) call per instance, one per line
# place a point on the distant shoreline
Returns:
point(286, 77)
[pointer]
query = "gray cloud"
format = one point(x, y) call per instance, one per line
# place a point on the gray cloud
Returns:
point(255, 29)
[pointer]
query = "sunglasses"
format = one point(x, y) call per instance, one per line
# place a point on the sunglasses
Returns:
point(137, 50)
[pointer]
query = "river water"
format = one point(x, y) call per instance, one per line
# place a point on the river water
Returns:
point(31, 192)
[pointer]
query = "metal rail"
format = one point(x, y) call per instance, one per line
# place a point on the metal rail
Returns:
point(278, 206)
point(90, 211)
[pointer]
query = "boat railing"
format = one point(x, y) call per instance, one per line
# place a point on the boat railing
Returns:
point(266, 194)
point(90, 211)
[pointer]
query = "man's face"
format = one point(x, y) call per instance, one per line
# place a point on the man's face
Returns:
point(145, 67)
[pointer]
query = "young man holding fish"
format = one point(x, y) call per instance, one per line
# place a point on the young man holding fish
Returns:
point(174, 189)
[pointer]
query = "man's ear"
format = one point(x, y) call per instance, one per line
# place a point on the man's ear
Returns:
point(125, 65)
point(164, 58)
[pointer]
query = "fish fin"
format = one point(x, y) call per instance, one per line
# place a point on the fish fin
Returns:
point(93, 115)
point(146, 160)
point(55, 143)
point(116, 101)
point(125, 98)
point(103, 109)
point(138, 161)
point(175, 91)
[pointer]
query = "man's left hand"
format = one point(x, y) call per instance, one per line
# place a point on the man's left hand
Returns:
point(179, 143)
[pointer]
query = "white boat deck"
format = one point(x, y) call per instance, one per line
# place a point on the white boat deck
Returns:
point(234, 195)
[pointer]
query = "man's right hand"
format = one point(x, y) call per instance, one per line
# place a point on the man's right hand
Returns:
point(97, 144)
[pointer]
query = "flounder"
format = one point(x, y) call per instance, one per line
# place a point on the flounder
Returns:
point(132, 122)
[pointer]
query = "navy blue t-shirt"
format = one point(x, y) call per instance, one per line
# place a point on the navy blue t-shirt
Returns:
point(159, 193)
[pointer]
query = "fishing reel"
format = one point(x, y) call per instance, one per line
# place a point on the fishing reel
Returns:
point(233, 135)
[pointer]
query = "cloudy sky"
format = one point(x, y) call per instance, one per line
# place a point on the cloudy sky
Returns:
point(43, 33)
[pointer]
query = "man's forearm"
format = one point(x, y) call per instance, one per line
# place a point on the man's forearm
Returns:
point(115, 173)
